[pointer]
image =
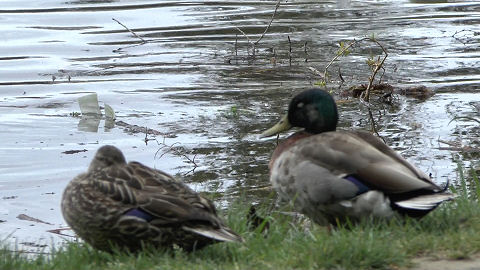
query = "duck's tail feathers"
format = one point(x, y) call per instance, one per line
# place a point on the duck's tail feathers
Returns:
point(425, 203)
point(222, 234)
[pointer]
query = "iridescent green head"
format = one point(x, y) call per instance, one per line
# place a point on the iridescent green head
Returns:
point(313, 109)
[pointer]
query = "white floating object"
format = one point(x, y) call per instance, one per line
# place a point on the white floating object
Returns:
point(89, 105)
point(109, 112)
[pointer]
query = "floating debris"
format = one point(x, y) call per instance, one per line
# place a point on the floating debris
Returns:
point(91, 116)
point(29, 218)
point(137, 129)
point(420, 92)
point(379, 89)
point(457, 146)
point(70, 152)
point(109, 112)
point(33, 244)
point(59, 231)
point(89, 105)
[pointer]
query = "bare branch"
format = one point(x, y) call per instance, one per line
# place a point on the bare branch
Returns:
point(340, 53)
point(378, 66)
point(243, 33)
point(270, 23)
point(374, 125)
point(464, 117)
point(133, 33)
point(176, 152)
point(248, 40)
point(253, 44)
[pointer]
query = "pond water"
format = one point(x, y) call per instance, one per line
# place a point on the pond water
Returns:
point(189, 76)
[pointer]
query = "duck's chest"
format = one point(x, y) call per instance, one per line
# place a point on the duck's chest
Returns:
point(84, 206)
point(285, 146)
point(303, 175)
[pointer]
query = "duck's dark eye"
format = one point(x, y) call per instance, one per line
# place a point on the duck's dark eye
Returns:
point(104, 160)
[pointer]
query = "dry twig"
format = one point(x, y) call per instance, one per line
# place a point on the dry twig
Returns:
point(176, 152)
point(341, 52)
point(255, 43)
point(457, 146)
point(248, 40)
point(270, 23)
point(133, 33)
point(377, 67)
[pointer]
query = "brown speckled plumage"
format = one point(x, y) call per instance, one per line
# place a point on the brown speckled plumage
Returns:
point(96, 205)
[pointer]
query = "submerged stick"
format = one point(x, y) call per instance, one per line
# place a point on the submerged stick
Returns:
point(374, 125)
point(305, 51)
point(236, 45)
point(289, 51)
point(248, 40)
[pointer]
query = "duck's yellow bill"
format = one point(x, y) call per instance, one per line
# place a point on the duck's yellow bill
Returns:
point(282, 125)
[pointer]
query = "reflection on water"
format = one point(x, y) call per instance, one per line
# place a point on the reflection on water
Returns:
point(194, 83)
point(90, 123)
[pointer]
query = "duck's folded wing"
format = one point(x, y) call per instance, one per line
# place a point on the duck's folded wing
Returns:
point(156, 198)
point(385, 149)
point(392, 178)
point(178, 205)
point(168, 209)
point(155, 192)
point(117, 184)
point(348, 154)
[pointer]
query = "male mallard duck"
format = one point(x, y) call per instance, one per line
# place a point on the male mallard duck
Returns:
point(130, 205)
point(334, 175)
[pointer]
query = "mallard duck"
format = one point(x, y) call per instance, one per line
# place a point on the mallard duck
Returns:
point(335, 175)
point(129, 205)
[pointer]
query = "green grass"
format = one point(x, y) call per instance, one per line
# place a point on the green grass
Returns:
point(451, 231)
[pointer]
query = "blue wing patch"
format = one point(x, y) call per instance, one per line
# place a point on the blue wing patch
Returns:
point(135, 212)
point(362, 188)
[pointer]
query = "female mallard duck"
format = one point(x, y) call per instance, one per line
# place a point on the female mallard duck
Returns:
point(336, 175)
point(131, 205)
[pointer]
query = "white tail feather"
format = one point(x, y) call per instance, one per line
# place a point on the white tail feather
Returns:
point(425, 202)
point(218, 234)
